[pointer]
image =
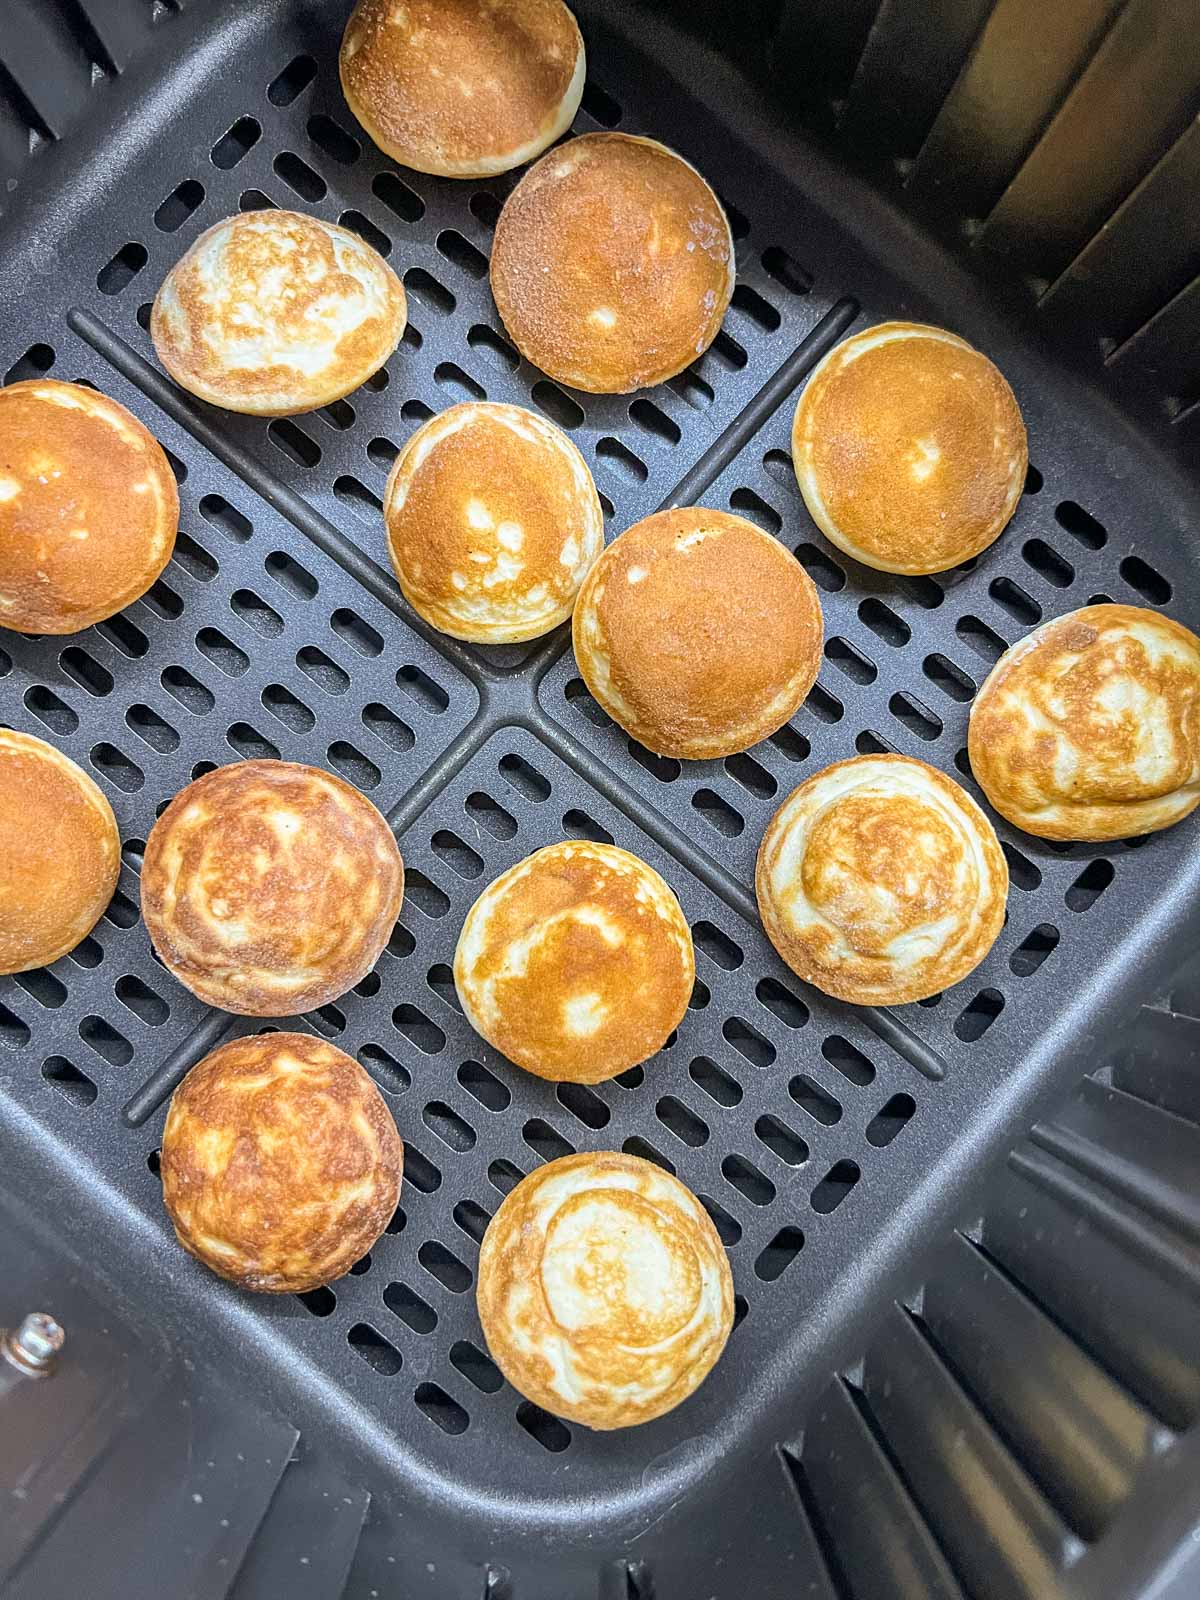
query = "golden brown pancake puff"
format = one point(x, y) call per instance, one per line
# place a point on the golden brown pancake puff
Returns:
point(273, 312)
point(281, 1164)
point(269, 888)
point(881, 881)
point(88, 507)
point(463, 88)
point(604, 1291)
point(698, 633)
point(909, 448)
point(576, 963)
point(1089, 727)
point(60, 853)
point(612, 265)
point(493, 522)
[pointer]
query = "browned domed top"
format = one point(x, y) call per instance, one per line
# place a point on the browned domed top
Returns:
point(60, 853)
point(1089, 728)
point(88, 507)
point(909, 448)
point(576, 963)
point(604, 1293)
point(462, 87)
point(273, 312)
point(281, 1163)
point(493, 522)
point(612, 265)
point(698, 633)
point(269, 888)
point(876, 865)
point(880, 881)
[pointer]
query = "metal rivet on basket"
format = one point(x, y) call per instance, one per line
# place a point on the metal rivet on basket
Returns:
point(34, 1345)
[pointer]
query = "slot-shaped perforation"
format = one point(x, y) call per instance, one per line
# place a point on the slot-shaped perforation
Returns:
point(40, 984)
point(398, 197)
point(235, 143)
point(357, 222)
point(718, 1084)
point(776, 1257)
point(748, 1180)
point(1047, 563)
point(835, 1186)
point(52, 712)
point(302, 179)
point(786, 270)
point(1035, 948)
point(185, 198)
point(978, 1015)
point(288, 84)
point(821, 568)
point(755, 509)
point(681, 1121)
point(848, 1059)
point(749, 1043)
point(379, 1353)
point(412, 1308)
point(891, 1119)
point(782, 1140)
point(851, 662)
point(333, 140)
point(64, 1076)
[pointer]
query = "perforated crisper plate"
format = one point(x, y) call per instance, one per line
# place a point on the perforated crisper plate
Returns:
point(824, 1140)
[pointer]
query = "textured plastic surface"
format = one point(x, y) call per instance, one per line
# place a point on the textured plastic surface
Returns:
point(829, 1144)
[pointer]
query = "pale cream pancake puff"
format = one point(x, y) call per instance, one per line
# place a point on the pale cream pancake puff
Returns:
point(1089, 727)
point(909, 448)
point(462, 88)
point(577, 963)
point(88, 507)
point(604, 1291)
point(281, 1164)
point(880, 881)
point(270, 888)
point(273, 312)
point(612, 264)
point(698, 632)
point(60, 853)
point(493, 522)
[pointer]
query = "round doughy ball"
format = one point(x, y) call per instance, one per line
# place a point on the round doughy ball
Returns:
point(612, 265)
point(88, 507)
point(273, 312)
point(493, 522)
point(460, 88)
point(604, 1291)
point(270, 888)
point(1089, 727)
point(909, 448)
point(60, 853)
point(698, 633)
point(577, 963)
point(281, 1164)
point(880, 881)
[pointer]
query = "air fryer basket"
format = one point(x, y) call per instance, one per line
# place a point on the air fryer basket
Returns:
point(835, 1148)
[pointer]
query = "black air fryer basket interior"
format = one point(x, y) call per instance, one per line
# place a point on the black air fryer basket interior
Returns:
point(965, 1364)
